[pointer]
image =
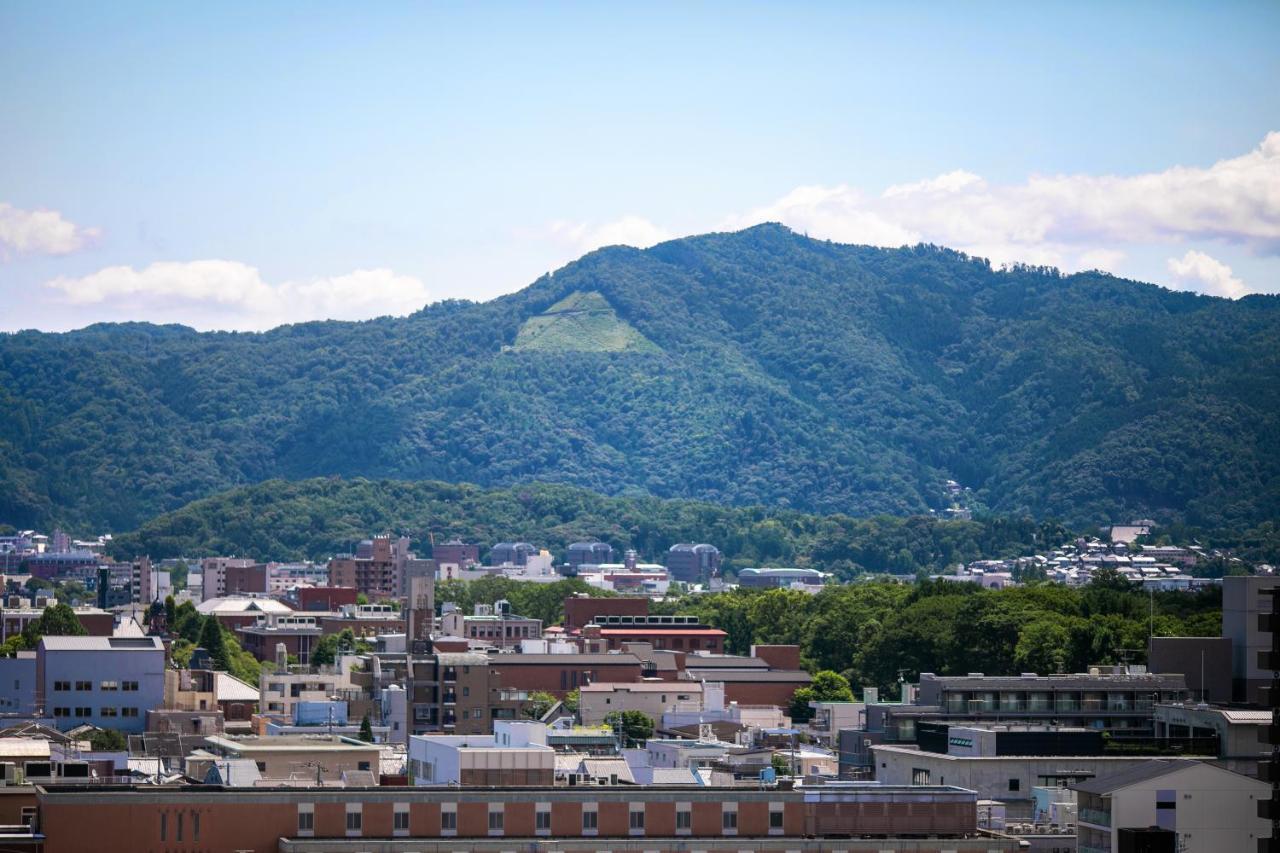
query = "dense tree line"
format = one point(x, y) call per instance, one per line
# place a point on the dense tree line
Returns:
point(875, 631)
point(281, 520)
point(784, 371)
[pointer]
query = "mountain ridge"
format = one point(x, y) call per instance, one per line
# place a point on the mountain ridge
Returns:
point(790, 371)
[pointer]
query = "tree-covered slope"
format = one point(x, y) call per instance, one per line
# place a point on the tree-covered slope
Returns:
point(316, 518)
point(758, 367)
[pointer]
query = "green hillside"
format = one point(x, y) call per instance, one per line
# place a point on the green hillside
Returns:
point(783, 371)
point(581, 322)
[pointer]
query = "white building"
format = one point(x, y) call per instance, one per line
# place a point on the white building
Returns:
point(651, 698)
point(1211, 810)
point(515, 754)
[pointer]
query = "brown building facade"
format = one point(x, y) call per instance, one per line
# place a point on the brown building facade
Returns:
point(582, 610)
point(110, 819)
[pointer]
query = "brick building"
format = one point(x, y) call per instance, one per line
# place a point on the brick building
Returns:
point(580, 610)
point(559, 674)
point(108, 819)
point(677, 633)
point(377, 569)
point(325, 598)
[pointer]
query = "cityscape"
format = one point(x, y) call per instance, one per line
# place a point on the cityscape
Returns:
point(831, 426)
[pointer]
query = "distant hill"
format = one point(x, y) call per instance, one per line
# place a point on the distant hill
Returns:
point(757, 367)
point(316, 518)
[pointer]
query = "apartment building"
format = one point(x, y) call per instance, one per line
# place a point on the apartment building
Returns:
point(1243, 601)
point(377, 569)
point(515, 754)
point(677, 633)
point(105, 681)
point(491, 623)
point(651, 698)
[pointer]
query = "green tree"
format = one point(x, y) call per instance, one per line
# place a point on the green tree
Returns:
point(635, 726)
point(57, 620)
point(538, 704)
point(107, 740)
point(170, 613)
point(571, 700)
point(827, 686)
point(366, 729)
point(213, 641)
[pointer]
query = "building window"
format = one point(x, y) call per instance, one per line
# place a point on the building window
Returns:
point(353, 820)
point(84, 685)
point(495, 821)
point(178, 837)
point(590, 820)
point(684, 820)
point(108, 686)
point(195, 826)
point(401, 820)
point(164, 825)
point(542, 820)
point(919, 776)
point(62, 685)
point(775, 819)
point(306, 821)
point(448, 821)
point(129, 685)
point(62, 712)
point(637, 821)
point(84, 713)
point(108, 712)
point(729, 820)
point(1015, 784)
point(128, 712)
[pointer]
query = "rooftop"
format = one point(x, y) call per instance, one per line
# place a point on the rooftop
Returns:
point(289, 743)
point(102, 644)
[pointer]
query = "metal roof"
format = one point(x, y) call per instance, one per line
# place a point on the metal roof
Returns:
point(102, 644)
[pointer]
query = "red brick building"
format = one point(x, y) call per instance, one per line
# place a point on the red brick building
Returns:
point(108, 819)
point(676, 633)
point(327, 599)
point(560, 674)
point(582, 610)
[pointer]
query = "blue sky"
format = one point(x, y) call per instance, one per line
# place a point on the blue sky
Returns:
point(231, 166)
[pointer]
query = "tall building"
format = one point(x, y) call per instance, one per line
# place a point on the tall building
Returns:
point(693, 563)
point(1243, 601)
point(455, 552)
point(377, 569)
point(511, 553)
point(589, 553)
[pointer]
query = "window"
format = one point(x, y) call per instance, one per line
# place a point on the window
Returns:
point(775, 820)
point(262, 766)
point(84, 685)
point(362, 765)
point(1015, 784)
point(306, 821)
point(129, 685)
point(178, 837)
point(108, 711)
point(466, 691)
point(353, 821)
point(919, 776)
point(62, 712)
point(637, 820)
point(62, 685)
point(84, 712)
point(164, 825)
point(729, 820)
point(449, 821)
point(401, 820)
point(590, 820)
point(495, 821)
point(684, 820)
point(109, 686)
point(195, 826)
point(542, 820)
point(128, 712)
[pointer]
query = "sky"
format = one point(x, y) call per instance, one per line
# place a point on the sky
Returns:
point(243, 165)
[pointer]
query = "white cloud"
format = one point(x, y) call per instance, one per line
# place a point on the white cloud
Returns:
point(1213, 276)
point(1070, 221)
point(233, 295)
point(40, 232)
point(628, 231)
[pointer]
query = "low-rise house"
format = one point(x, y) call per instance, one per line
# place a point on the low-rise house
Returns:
point(652, 698)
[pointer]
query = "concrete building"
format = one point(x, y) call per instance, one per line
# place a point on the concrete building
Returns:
point(693, 563)
point(515, 754)
point(234, 612)
point(1109, 698)
point(651, 698)
point(1207, 808)
point(491, 623)
point(780, 578)
point(298, 634)
point(511, 553)
point(1242, 602)
point(1237, 729)
point(18, 685)
point(291, 759)
point(279, 691)
point(857, 819)
point(16, 615)
point(456, 553)
point(213, 571)
point(589, 554)
point(1205, 662)
point(108, 682)
point(377, 569)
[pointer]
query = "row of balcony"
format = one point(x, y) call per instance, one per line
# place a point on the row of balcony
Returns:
point(1016, 704)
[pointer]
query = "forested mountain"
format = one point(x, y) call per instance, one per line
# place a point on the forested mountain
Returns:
point(758, 367)
point(316, 518)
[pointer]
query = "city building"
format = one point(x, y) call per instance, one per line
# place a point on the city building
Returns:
point(109, 682)
point(377, 569)
point(298, 635)
point(456, 553)
point(1206, 808)
point(516, 754)
point(693, 563)
point(213, 573)
point(776, 578)
point(1238, 731)
point(859, 819)
point(325, 598)
point(238, 611)
point(582, 610)
point(17, 614)
point(290, 759)
point(651, 698)
point(491, 623)
point(677, 633)
point(1243, 601)
point(1205, 663)
point(589, 554)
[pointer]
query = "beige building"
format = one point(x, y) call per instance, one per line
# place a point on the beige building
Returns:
point(1210, 810)
point(652, 698)
point(292, 759)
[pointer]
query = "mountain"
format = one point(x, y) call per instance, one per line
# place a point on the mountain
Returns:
point(316, 518)
point(757, 367)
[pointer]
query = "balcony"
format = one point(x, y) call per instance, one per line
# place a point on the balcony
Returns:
point(1097, 817)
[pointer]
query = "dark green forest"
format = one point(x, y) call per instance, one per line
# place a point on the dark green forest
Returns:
point(751, 368)
point(314, 519)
